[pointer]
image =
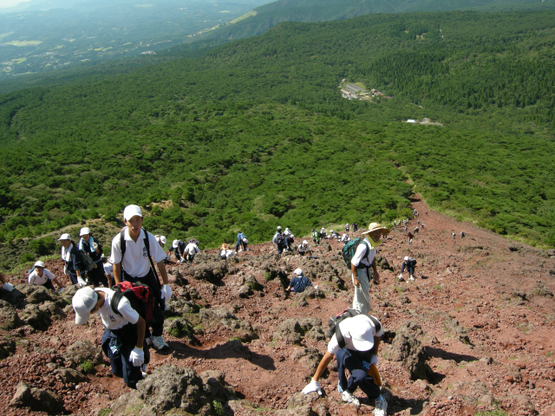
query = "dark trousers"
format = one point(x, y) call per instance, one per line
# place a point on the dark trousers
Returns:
point(48, 284)
point(96, 276)
point(72, 277)
point(117, 345)
point(158, 314)
point(352, 361)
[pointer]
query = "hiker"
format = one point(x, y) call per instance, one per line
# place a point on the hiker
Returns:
point(279, 240)
point(88, 246)
point(123, 340)
point(347, 227)
point(410, 236)
point(178, 247)
point(363, 259)
point(289, 236)
point(315, 236)
point(74, 266)
point(38, 275)
point(463, 234)
point(108, 270)
point(415, 230)
point(345, 239)
point(242, 242)
point(355, 227)
point(225, 251)
point(299, 283)
point(303, 248)
point(361, 341)
point(333, 235)
point(410, 265)
point(453, 235)
point(162, 241)
point(191, 250)
point(7, 286)
point(131, 252)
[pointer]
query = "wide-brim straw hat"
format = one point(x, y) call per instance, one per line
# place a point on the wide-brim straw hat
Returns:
point(374, 226)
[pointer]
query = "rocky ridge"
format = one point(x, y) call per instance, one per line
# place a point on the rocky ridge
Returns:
point(474, 333)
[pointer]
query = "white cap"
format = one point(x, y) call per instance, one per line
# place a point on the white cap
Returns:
point(39, 264)
point(279, 227)
point(406, 258)
point(130, 211)
point(305, 242)
point(83, 303)
point(175, 243)
point(362, 331)
point(65, 236)
point(161, 238)
point(298, 271)
point(84, 231)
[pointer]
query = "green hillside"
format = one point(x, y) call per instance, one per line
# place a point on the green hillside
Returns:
point(256, 133)
point(269, 15)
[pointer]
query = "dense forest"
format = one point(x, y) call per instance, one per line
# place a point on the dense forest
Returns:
point(256, 133)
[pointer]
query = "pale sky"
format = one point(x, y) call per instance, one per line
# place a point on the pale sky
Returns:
point(10, 3)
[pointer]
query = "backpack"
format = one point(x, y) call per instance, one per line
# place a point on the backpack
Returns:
point(333, 324)
point(140, 297)
point(278, 239)
point(348, 251)
point(88, 262)
point(147, 246)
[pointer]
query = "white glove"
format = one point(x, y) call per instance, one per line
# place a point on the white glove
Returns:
point(166, 292)
point(80, 281)
point(8, 287)
point(312, 387)
point(137, 357)
point(374, 360)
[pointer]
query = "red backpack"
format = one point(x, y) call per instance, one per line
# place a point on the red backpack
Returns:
point(140, 297)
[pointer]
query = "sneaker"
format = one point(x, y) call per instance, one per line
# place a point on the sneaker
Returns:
point(348, 397)
point(144, 374)
point(400, 277)
point(158, 343)
point(380, 406)
point(411, 279)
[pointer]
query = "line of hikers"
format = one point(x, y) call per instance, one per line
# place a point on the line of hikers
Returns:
point(131, 302)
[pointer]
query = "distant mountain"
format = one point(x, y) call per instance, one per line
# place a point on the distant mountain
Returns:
point(269, 15)
point(55, 34)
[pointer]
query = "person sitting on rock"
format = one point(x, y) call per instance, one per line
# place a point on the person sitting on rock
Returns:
point(123, 340)
point(299, 283)
point(225, 251)
point(5, 285)
point(303, 248)
point(38, 275)
point(356, 352)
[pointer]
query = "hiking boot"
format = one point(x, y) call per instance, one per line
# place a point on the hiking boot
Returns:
point(411, 279)
point(144, 374)
point(400, 277)
point(348, 397)
point(158, 343)
point(380, 406)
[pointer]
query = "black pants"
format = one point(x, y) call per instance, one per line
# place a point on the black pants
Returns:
point(117, 345)
point(352, 361)
point(96, 276)
point(159, 305)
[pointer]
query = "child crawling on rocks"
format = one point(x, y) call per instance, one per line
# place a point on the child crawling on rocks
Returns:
point(123, 340)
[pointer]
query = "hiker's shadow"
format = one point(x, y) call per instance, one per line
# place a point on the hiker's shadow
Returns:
point(231, 349)
point(445, 355)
